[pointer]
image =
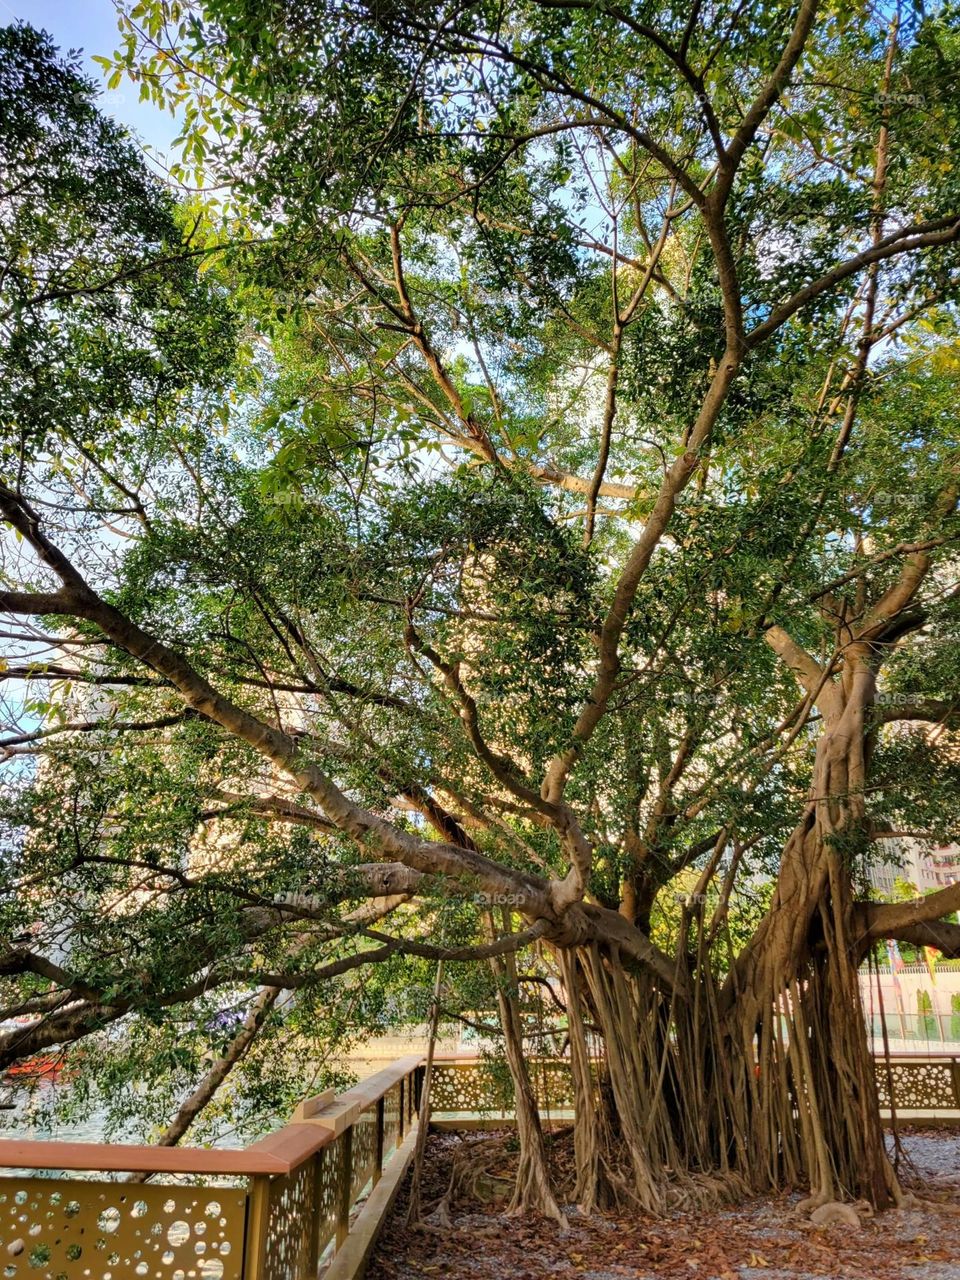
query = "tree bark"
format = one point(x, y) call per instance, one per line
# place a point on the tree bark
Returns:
point(792, 1003)
point(532, 1192)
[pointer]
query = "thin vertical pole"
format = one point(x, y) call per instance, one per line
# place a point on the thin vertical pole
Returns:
point(378, 1163)
point(346, 1178)
point(315, 1200)
point(413, 1195)
point(255, 1232)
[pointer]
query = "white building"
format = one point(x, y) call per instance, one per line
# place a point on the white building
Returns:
point(925, 866)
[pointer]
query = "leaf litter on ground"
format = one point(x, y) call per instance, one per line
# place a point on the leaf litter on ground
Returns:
point(761, 1239)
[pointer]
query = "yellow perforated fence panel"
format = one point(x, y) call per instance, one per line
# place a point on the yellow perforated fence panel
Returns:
point(933, 1085)
point(290, 1225)
point(481, 1088)
point(58, 1229)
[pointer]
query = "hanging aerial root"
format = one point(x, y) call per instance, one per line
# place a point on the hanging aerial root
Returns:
point(653, 1126)
point(532, 1190)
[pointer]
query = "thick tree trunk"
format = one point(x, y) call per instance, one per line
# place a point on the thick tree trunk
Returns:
point(768, 1080)
point(792, 1005)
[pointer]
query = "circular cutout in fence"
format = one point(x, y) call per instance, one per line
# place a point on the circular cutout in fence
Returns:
point(109, 1220)
point(138, 1209)
point(40, 1256)
point(212, 1269)
point(178, 1232)
point(213, 1209)
point(15, 1248)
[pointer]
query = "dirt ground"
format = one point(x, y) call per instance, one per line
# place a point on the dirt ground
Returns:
point(763, 1239)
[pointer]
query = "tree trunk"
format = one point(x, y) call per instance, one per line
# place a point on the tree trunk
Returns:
point(533, 1192)
point(768, 1080)
point(590, 1190)
point(793, 1011)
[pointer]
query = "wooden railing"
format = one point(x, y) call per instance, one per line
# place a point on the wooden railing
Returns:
point(461, 1092)
point(269, 1212)
point(281, 1209)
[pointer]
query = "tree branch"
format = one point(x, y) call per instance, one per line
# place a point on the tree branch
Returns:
point(941, 231)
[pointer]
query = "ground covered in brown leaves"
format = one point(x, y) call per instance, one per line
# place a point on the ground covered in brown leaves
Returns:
point(763, 1239)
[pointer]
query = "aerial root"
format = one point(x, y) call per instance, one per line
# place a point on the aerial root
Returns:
point(472, 1177)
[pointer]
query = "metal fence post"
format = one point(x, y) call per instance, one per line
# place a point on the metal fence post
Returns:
point(346, 1174)
point(378, 1161)
point(255, 1230)
point(314, 1261)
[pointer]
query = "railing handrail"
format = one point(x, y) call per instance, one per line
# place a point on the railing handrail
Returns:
point(279, 1152)
point(114, 1157)
point(907, 1056)
point(305, 1135)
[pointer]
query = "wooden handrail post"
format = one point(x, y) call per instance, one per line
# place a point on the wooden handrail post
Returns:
point(378, 1161)
point(255, 1231)
point(401, 1121)
point(346, 1176)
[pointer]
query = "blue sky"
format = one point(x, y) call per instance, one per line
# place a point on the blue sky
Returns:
point(91, 25)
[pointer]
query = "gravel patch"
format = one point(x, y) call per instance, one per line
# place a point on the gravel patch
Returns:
point(934, 1156)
